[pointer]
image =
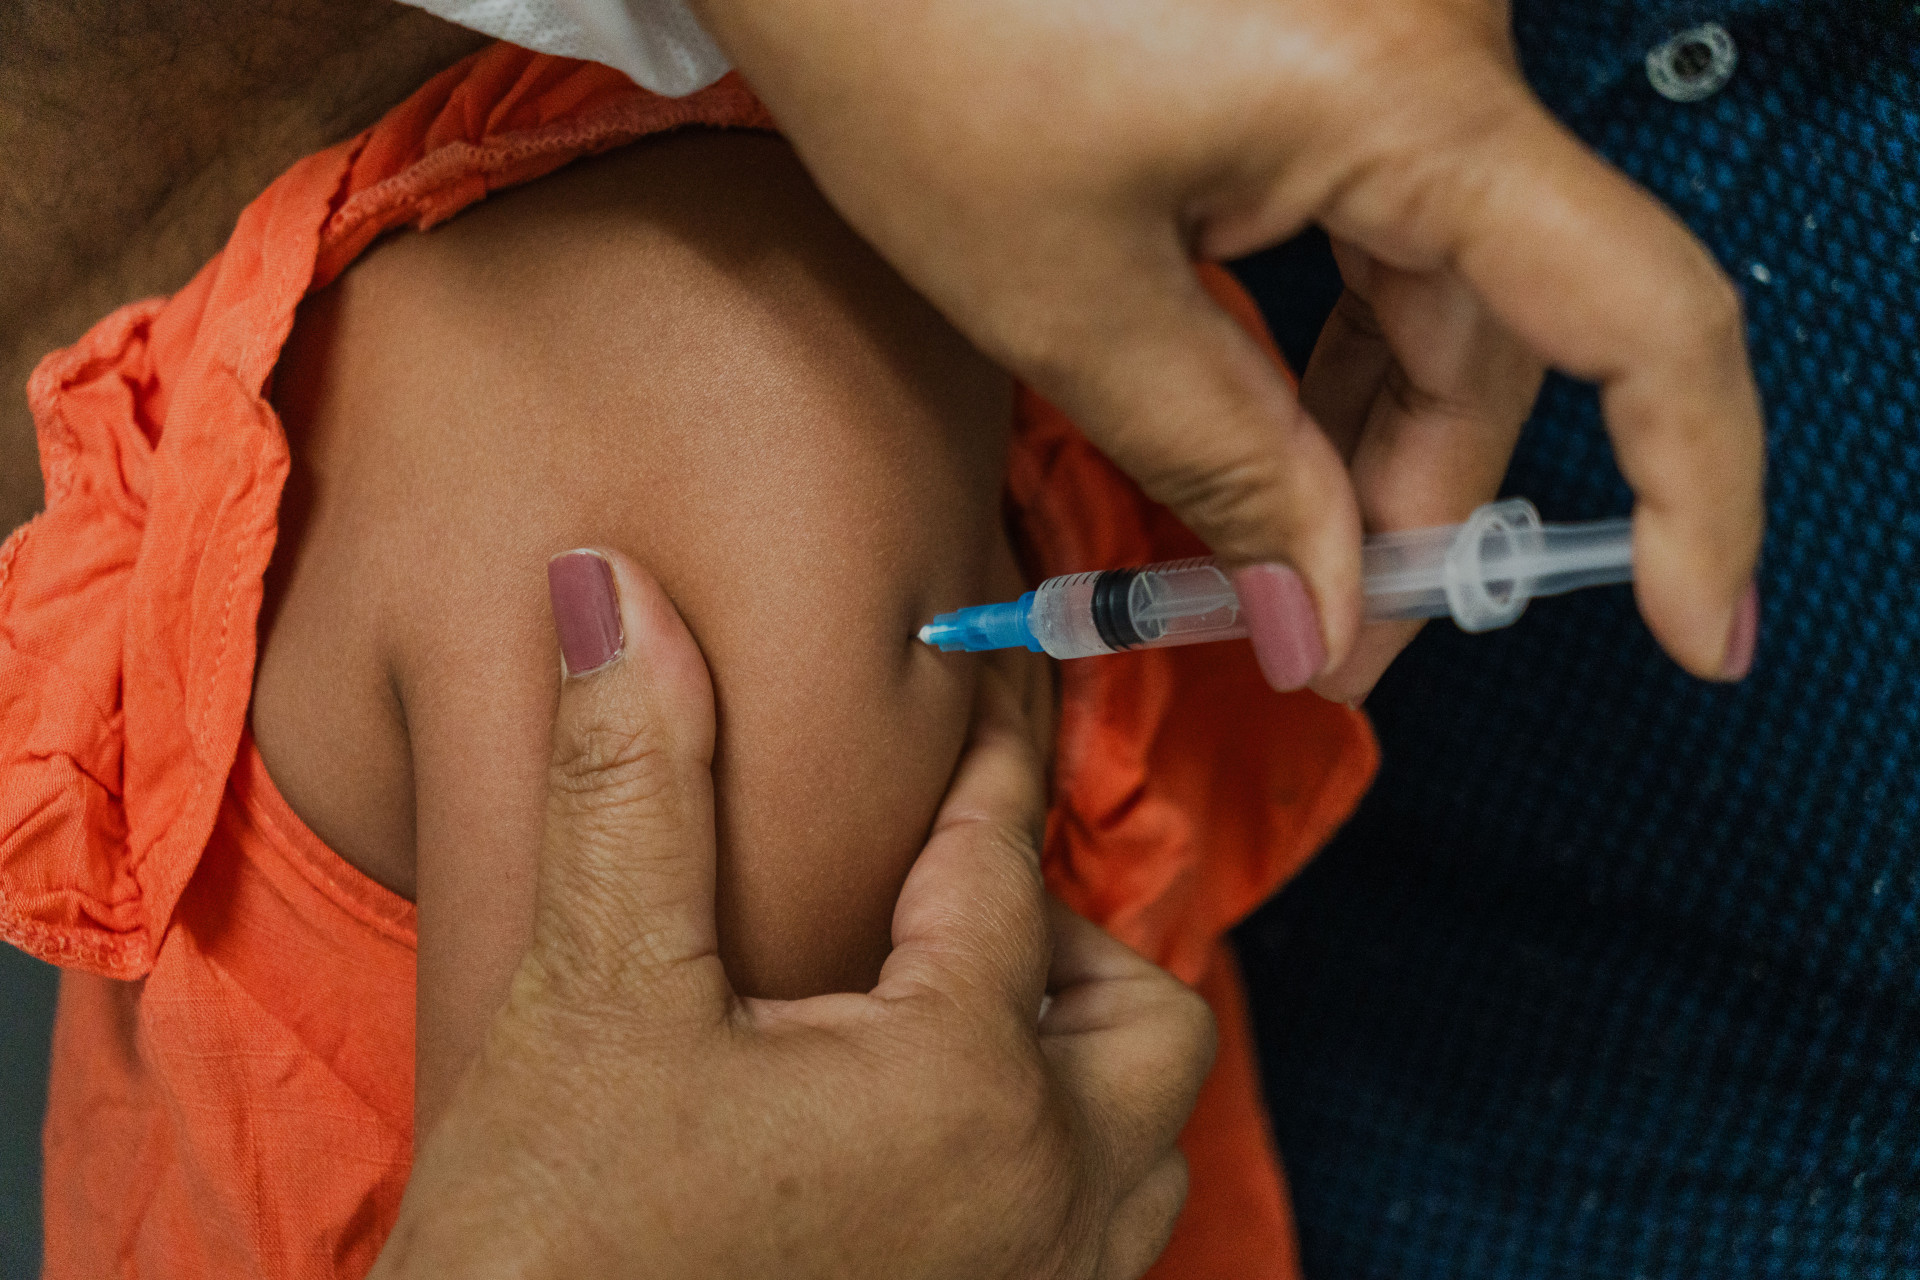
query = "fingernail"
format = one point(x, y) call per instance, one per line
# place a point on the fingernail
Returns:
point(1283, 624)
point(586, 610)
point(1744, 636)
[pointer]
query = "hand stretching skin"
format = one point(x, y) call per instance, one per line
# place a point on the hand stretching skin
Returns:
point(1044, 170)
point(630, 1116)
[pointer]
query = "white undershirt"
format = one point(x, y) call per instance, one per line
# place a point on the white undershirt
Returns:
point(656, 42)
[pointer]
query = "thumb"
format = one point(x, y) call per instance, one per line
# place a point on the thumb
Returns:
point(625, 905)
point(1188, 403)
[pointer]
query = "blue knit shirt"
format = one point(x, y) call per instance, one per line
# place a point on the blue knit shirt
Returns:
point(1617, 973)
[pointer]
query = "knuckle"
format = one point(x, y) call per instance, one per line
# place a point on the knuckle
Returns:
point(1021, 835)
point(603, 765)
point(1432, 174)
point(1013, 833)
point(558, 997)
point(1023, 839)
point(1358, 315)
point(596, 970)
point(1004, 1144)
point(1003, 1111)
point(1232, 502)
point(1187, 1035)
point(653, 956)
point(1412, 401)
point(1198, 1030)
point(1717, 314)
point(1699, 309)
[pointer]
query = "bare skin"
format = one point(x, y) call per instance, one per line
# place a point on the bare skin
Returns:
point(678, 350)
point(146, 126)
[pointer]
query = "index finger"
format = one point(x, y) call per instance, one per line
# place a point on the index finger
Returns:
point(1130, 1041)
point(1602, 282)
point(970, 928)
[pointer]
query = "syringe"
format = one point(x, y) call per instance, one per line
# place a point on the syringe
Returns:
point(1482, 572)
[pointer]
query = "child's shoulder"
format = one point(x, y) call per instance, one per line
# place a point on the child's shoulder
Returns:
point(678, 350)
point(638, 349)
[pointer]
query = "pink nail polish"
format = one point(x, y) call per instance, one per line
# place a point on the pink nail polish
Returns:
point(586, 610)
point(1283, 624)
point(1744, 637)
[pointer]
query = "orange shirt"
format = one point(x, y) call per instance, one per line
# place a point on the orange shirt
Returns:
point(233, 1058)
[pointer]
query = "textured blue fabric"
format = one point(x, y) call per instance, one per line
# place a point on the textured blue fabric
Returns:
point(1617, 974)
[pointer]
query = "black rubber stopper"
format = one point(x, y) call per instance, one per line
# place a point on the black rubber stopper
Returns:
point(1111, 617)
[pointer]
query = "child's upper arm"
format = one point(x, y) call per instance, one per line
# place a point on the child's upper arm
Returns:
point(677, 350)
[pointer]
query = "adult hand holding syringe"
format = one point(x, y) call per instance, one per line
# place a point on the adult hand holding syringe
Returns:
point(1482, 573)
point(1046, 174)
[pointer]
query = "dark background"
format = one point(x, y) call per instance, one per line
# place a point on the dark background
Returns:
point(26, 1019)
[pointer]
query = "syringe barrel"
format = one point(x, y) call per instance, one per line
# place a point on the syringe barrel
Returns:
point(1151, 607)
point(1184, 602)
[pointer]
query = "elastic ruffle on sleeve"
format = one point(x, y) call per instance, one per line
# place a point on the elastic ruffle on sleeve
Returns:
point(128, 608)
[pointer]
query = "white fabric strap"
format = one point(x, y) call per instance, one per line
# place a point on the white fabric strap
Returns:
point(656, 42)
